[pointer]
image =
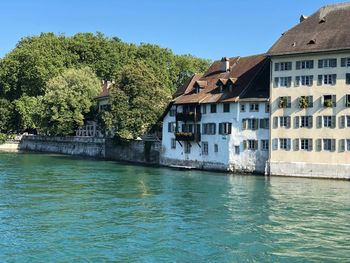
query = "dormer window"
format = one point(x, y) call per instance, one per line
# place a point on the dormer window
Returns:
point(312, 42)
point(197, 89)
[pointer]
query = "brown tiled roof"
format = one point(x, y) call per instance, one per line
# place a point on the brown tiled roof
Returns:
point(189, 83)
point(249, 75)
point(327, 29)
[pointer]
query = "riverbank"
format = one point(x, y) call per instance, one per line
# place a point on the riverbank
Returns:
point(10, 147)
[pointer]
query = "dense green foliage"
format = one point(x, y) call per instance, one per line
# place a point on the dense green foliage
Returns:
point(39, 64)
point(137, 100)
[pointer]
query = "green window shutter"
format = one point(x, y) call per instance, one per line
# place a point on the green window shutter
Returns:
point(320, 63)
point(296, 122)
point(297, 65)
point(296, 144)
point(277, 66)
point(319, 80)
point(332, 145)
point(343, 62)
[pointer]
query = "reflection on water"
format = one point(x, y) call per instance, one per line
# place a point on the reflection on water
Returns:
point(53, 208)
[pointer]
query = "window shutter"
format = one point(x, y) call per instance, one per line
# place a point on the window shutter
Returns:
point(262, 123)
point(297, 81)
point(334, 100)
point(298, 65)
point(289, 103)
point(288, 122)
point(332, 145)
point(256, 144)
point(342, 145)
point(244, 124)
point(333, 63)
point(275, 144)
point(183, 127)
point(319, 80)
point(310, 145)
point(220, 128)
point(245, 145)
point(311, 80)
point(289, 66)
point(347, 78)
point(333, 121)
point(288, 144)
point(296, 144)
point(342, 62)
point(319, 121)
point(296, 122)
point(276, 82)
point(289, 81)
point(169, 127)
point(319, 145)
point(310, 101)
point(342, 122)
point(334, 79)
point(320, 63)
point(229, 130)
point(310, 120)
point(214, 128)
point(275, 122)
point(256, 126)
point(311, 64)
point(277, 66)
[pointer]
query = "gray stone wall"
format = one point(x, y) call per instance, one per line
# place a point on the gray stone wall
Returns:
point(194, 164)
point(146, 152)
point(81, 146)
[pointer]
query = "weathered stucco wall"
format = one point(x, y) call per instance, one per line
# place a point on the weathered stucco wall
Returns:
point(82, 146)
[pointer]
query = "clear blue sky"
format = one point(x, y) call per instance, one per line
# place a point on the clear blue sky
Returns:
point(205, 28)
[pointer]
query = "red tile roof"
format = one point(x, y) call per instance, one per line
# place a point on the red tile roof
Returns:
point(249, 77)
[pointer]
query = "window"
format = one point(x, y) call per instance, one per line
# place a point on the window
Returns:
point(187, 147)
point(204, 148)
point(284, 144)
point(225, 128)
point(264, 123)
point(204, 108)
point(329, 121)
point(283, 66)
point(347, 100)
point(250, 124)
point(251, 145)
point(212, 108)
point(226, 107)
point(327, 63)
point(283, 82)
point(209, 128)
point(285, 102)
point(264, 145)
point(345, 62)
point(348, 121)
point(172, 112)
point(327, 79)
point(329, 101)
point(348, 144)
point(237, 149)
point(305, 64)
point(254, 107)
point(305, 121)
point(306, 102)
point(329, 145)
point(304, 80)
point(187, 127)
point(347, 78)
point(171, 127)
point(216, 148)
point(285, 121)
point(267, 107)
point(242, 107)
point(306, 144)
point(173, 143)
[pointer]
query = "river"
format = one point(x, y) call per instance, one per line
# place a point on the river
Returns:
point(61, 209)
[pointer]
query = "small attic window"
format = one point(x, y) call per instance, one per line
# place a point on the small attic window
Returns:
point(312, 41)
point(197, 89)
point(322, 20)
point(294, 44)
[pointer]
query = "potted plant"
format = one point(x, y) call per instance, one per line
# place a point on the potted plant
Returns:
point(303, 102)
point(283, 102)
point(328, 103)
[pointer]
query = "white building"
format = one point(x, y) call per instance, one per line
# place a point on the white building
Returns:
point(220, 120)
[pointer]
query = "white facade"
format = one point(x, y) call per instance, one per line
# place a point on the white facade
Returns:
point(236, 151)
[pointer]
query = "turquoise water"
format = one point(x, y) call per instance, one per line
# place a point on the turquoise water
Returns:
point(57, 209)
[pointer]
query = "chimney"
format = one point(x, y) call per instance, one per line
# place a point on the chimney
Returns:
point(225, 64)
point(302, 18)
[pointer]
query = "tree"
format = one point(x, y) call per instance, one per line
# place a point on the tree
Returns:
point(68, 98)
point(28, 112)
point(6, 116)
point(137, 100)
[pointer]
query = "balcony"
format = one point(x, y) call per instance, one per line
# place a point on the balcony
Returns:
point(188, 116)
point(187, 136)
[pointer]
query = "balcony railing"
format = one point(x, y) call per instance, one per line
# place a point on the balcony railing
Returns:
point(188, 116)
point(187, 136)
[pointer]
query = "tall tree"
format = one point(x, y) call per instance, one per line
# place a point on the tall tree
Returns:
point(137, 100)
point(68, 98)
